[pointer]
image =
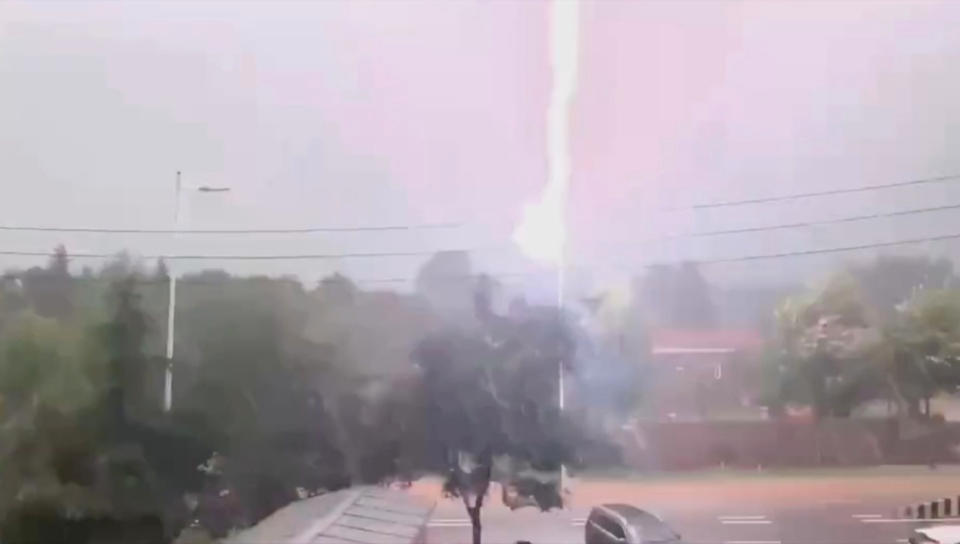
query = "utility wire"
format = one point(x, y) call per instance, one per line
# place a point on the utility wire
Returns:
point(288, 257)
point(744, 258)
point(802, 224)
point(146, 279)
point(305, 230)
point(795, 196)
point(322, 256)
point(701, 234)
point(451, 225)
point(839, 249)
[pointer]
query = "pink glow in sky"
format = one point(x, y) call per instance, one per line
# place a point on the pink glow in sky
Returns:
point(406, 112)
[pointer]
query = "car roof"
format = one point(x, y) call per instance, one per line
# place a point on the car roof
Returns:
point(948, 534)
point(650, 526)
point(633, 514)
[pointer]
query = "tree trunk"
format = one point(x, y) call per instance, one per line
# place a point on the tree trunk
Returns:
point(474, 514)
point(331, 405)
point(474, 484)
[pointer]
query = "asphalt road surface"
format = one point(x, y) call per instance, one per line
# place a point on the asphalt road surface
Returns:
point(855, 506)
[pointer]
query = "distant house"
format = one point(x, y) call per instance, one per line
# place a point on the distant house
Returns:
point(701, 374)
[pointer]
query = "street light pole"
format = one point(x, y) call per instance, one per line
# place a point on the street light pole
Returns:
point(172, 292)
point(171, 305)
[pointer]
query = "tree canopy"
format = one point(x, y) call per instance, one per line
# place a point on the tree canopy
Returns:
point(279, 390)
point(872, 332)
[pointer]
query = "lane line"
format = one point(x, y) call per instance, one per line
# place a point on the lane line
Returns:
point(746, 521)
point(909, 520)
point(743, 517)
point(867, 516)
point(752, 542)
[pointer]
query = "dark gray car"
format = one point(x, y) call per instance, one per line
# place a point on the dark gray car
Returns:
point(625, 524)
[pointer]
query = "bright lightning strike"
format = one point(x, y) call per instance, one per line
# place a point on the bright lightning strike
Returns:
point(541, 233)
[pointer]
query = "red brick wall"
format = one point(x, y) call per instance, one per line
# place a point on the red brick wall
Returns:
point(690, 445)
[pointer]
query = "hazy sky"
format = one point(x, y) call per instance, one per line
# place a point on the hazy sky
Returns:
point(370, 113)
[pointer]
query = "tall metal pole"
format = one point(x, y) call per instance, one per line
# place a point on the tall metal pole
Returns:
point(560, 285)
point(561, 396)
point(564, 39)
point(171, 306)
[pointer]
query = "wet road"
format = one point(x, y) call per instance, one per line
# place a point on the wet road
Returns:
point(854, 507)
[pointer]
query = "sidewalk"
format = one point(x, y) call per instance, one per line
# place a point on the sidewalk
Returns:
point(359, 515)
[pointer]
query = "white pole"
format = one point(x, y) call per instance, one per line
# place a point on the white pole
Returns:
point(561, 396)
point(171, 307)
point(564, 43)
point(561, 393)
point(561, 400)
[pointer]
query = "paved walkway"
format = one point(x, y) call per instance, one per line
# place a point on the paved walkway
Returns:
point(364, 515)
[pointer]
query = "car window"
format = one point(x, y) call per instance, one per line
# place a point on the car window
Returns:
point(652, 529)
point(610, 526)
point(657, 532)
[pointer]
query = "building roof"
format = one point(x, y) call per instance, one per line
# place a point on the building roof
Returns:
point(357, 515)
point(693, 341)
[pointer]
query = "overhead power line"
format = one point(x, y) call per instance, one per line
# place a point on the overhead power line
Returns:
point(450, 225)
point(145, 279)
point(701, 234)
point(839, 249)
point(304, 230)
point(801, 224)
point(287, 257)
point(325, 256)
point(796, 196)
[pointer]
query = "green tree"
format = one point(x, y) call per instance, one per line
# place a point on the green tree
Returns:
point(925, 346)
point(826, 347)
point(491, 408)
point(446, 281)
point(254, 383)
point(890, 281)
point(836, 349)
point(50, 290)
point(123, 338)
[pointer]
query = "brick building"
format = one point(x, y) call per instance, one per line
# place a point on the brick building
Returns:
point(703, 374)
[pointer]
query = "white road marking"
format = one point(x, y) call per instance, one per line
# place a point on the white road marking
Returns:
point(902, 540)
point(752, 542)
point(867, 516)
point(449, 523)
point(742, 517)
point(745, 521)
point(908, 520)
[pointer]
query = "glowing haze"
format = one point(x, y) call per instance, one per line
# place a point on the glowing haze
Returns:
point(541, 233)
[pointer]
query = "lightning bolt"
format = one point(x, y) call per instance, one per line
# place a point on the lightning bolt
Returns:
point(541, 233)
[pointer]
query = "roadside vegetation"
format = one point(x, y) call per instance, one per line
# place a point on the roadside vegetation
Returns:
point(280, 392)
point(283, 390)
